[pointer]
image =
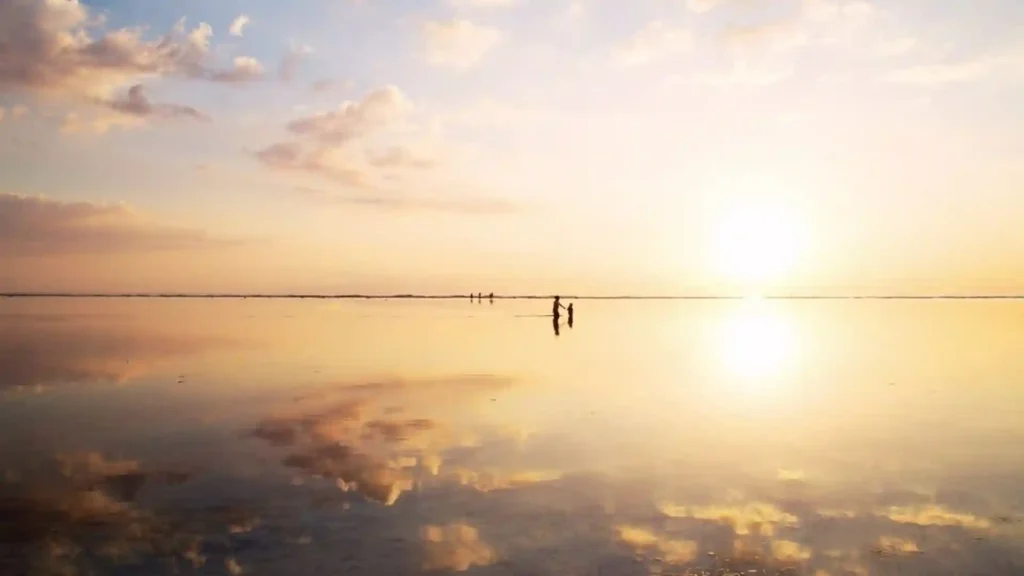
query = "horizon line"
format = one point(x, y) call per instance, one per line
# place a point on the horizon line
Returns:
point(409, 296)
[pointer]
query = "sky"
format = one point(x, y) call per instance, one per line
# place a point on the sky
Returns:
point(515, 146)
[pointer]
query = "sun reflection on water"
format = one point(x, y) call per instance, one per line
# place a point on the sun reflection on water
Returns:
point(757, 344)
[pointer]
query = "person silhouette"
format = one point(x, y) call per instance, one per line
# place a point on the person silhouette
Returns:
point(555, 306)
point(554, 324)
point(569, 310)
point(491, 297)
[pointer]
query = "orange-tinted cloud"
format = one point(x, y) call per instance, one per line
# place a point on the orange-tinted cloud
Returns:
point(82, 503)
point(676, 551)
point(37, 226)
point(455, 547)
point(359, 436)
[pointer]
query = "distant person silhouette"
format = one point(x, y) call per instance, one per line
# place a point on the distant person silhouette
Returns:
point(554, 308)
point(491, 297)
point(480, 297)
point(569, 310)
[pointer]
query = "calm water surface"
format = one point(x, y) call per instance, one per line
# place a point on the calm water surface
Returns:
point(405, 437)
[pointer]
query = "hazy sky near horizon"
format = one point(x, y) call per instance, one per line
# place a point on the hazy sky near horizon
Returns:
point(600, 146)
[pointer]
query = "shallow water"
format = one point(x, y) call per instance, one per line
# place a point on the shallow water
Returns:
point(399, 437)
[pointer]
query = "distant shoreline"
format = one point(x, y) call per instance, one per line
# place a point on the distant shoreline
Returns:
point(496, 297)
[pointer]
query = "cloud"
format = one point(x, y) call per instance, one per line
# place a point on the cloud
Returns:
point(490, 480)
point(78, 513)
point(654, 43)
point(932, 515)
point(895, 546)
point(353, 120)
point(36, 226)
point(458, 43)
point(341, 165)
point(373, 478)
point(245, 69)
point(748, 518)
point(332, 144)
point(49, 46)
point(292, 61)
point(237, 27)
point(671, 550)
point(763, 54)
point(358, 436)
point(370, 145)
point(135, 103)
point(789, 551)
point(455, 547)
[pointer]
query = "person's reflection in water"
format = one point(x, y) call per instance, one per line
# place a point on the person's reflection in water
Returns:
point(554, 324)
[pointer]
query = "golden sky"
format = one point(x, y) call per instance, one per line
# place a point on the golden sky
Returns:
point(591, 146)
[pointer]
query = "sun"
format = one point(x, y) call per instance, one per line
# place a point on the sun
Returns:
point(757, 244)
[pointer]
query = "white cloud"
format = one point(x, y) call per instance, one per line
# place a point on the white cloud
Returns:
point(53, 46)
point(654, 43)
point(237, 27)
point(244, 70)
point(459, 43)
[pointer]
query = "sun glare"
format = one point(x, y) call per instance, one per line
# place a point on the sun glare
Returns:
point(757, 244)
point(756, 343)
